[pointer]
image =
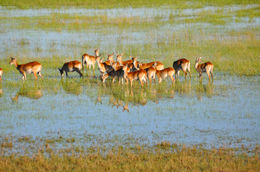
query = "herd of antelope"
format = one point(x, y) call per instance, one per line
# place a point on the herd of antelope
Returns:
point(128, 70)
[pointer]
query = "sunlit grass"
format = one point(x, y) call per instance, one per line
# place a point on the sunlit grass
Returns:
point(161, 157)
point(120, 3)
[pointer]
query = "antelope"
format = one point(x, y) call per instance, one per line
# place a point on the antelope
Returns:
point(204, 67)
point(181, 64)
point(140, 74)
point(116, 72)
point(103, 67)
point(90, 60)
point(119, 59)
point(1, 73)
point(71, 67)
point(31, 67)
point(167, 72)
point(158, 65)
point(109, 59)
point(151, 72)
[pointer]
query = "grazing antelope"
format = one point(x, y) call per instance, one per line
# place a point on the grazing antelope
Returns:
point(181, 64)
point(32, 67)
point(71, 67)
point(1, 73)
point(103, 67)
point(158, 65)
point(90, 60)
point(140, 74)
point(167, 72)
point(204, 67)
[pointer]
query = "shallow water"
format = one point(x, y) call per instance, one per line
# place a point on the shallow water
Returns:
point(226, 112)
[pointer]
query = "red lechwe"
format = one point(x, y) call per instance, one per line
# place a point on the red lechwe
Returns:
point(167, 72)
point(1, 73)
point(141, 75)
point(204, 67)
point(90, 60)
point(32, 67)
point(181, 64)
point(71, 67)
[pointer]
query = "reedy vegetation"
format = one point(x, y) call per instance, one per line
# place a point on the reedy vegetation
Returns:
point(161, 157)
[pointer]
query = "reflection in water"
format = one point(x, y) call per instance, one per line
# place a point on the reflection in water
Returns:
point(120, 96)
point(71, 86)
point(183, 88)
point(1, 90)
point(29, 92)
point(204, 89)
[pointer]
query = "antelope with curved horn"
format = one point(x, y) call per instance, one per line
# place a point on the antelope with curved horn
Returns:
point(204, 67)
point(31, 67)
point(181, 64)
point(89, 60)
point(1, 73)
point(71, 67)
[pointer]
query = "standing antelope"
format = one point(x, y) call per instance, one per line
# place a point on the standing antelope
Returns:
point(71, 67)
point(167, 72)
point(110, 58)
point(158, 65)
point(1, 73)
point(141, 75)
point(119, 59)
point(151, 72)
point(90, 60)
point(116, 72)
point(32, 67)
point(181, 64)
point(204, 67)
point(103, 67)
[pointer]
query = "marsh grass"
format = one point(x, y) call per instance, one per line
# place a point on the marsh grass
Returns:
point(161, 157)
point(120, 3)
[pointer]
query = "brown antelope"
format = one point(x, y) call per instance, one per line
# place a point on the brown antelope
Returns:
point(103, 67)
point(167, 72)
point(110, 58)
point(71, 67)
point(90, 60)
point(1, 73)
point(181, 64)
point(116, 72)
point(151, 72)
point(121, 62)
point(204, 67)
point(32, 67)
point(158, 65)
point(141, 75)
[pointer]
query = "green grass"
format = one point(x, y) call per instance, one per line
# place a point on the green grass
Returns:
point(120, 3)
point(161, 157)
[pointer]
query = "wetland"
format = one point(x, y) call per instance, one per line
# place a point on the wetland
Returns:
point(82, 117)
